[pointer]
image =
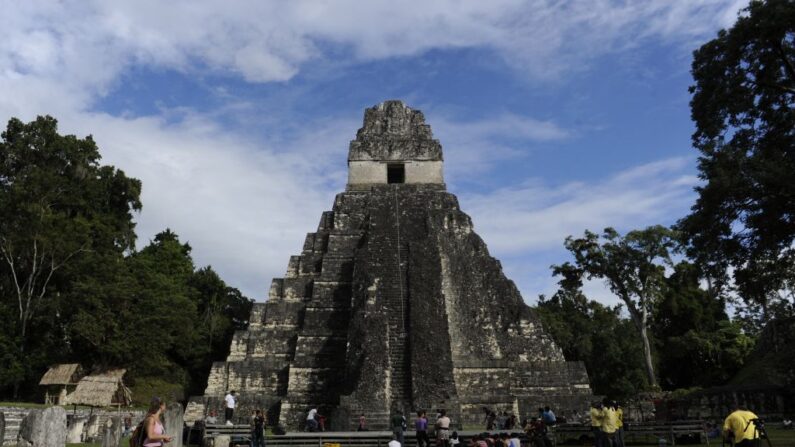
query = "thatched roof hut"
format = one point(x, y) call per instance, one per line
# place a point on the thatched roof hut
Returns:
point(59, 380)
point(63, 374)
point(101, 390)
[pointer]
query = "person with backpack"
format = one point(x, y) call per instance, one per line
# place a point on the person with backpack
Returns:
point(398, 424)
point(150, 432)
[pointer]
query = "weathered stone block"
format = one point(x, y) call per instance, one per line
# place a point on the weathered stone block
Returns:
point(75, 429)
point(173, 421)
point(111, 434)
point(43, 428)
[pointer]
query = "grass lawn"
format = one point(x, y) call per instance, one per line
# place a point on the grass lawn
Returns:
point(778, 438)
point(782, 438)
point(23, 405)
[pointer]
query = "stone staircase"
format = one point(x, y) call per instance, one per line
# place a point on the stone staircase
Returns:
point(13, 418)
point(396, 297)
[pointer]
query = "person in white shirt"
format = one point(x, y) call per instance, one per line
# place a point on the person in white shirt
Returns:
point(515, 441)
point(311, 420)
point(229, 411)
point(394, 442)
point(211, 418)
point(443, 429)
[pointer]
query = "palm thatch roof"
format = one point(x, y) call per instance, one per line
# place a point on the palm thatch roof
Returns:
point(101, 390)
point(63, 374)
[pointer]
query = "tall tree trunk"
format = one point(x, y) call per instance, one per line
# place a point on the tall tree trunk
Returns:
point(647, 358)
point(640, 318)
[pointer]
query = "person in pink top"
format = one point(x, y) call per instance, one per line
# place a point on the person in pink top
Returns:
point(155, 436)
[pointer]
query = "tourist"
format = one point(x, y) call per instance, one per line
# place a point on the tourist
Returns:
point(739, 427)
point(153, 426)
point(491, 417)
point(362, 423)
point(609, 424)
point(454, 439)
point(712, 430)
point(501, 420)
point(258, 429)
point(421, 426)
point(596, 424)
point(321, 422)
point(311, 422)
point(443, 429)
point(620, 421)
point(212, 418)
point(548, 417)
point(394, 442)
point(537, 433)
point(514, 441)
point(127, 425)
point(230, 401)
point(477, 441)
point(398, 424)
point(510, 424)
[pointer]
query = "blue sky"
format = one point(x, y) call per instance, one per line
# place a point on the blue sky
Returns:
point(555, 117)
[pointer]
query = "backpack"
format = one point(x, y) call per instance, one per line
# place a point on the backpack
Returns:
point(139, 434)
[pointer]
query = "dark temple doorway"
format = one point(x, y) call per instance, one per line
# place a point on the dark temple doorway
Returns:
point(396, 173)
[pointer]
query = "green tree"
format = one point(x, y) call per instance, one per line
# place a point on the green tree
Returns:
point(597, 335)
point(633, 266)
point(57, 204)
point(221, 310)
point(744, 218)
point(153, 313)
point(697, 344)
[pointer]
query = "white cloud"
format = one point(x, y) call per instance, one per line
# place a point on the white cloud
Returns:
point(534, 216)
point(245, 204)
point(477, 145)
point(93, 41)
point(525, 226)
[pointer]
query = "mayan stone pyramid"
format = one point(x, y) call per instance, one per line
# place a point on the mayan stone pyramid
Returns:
point(394, 303)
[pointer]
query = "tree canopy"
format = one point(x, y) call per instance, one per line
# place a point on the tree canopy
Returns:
point(71, 275)
point(633, 266)
point(743, 107)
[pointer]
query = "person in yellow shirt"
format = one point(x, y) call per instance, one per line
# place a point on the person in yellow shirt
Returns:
point(739, 426)
point(609, 424)
point(620, 424)
point(597, 414)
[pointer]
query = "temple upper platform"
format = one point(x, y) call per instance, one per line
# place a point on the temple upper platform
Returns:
point(394, 146)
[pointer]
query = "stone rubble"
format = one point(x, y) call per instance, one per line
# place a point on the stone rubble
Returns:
point(173, 422)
